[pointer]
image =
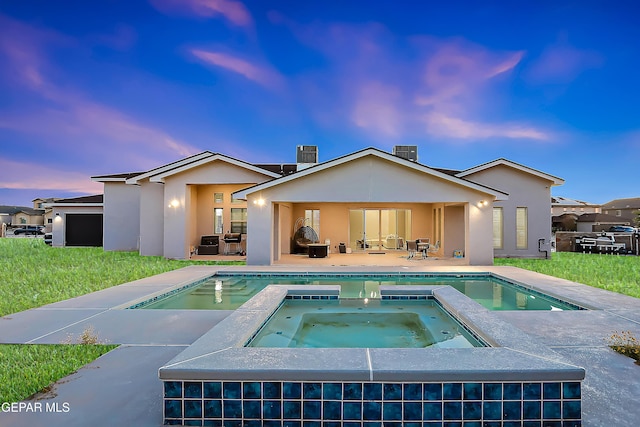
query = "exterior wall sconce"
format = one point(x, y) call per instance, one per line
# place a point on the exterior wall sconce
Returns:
point(482, 203)
point(259, 202)
point(57, 218)
point(174, 203)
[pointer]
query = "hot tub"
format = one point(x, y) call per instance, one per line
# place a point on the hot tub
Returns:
point(219, 380)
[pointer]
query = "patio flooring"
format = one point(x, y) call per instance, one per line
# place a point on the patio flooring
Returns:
point(122, 387)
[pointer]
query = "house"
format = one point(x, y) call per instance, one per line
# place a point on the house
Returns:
point(595, 222)
point(368, 200)
point(77, 221)
point(564, 205)
point(625, 209)
point(18, 216)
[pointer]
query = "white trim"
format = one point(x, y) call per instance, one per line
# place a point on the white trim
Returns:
point(242, 194)
point(160, 177)
point(136, 179)
point(108, 179)
point(554, 179)
point(60, 205)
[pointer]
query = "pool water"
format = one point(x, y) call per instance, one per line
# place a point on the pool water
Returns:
point(230, 292)
point(359, 323)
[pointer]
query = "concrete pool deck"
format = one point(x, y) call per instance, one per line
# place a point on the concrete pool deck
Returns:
point(122, 387)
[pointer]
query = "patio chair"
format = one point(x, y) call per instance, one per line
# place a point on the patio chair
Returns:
point(434, 248)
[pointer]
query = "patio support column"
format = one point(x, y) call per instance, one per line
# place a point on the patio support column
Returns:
point(259, 233)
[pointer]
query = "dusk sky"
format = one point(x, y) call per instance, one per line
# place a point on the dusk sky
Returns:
point(100, 87)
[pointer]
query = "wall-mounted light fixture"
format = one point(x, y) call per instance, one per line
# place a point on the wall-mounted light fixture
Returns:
point(58, 218)
point(482, 203)
point(174, 203)
point(260, 201)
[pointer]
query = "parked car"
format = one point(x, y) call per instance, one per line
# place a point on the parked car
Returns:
point(622, 229)
point(48, 238)
point(29, 229)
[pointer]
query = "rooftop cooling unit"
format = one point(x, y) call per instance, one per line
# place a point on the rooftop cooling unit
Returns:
point(307, 154)
point(409, 152)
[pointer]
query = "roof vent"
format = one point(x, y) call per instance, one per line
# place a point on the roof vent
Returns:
point(306, 156)
point(409, 152)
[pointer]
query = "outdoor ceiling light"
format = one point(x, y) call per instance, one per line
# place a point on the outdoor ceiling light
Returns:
point(174, 203)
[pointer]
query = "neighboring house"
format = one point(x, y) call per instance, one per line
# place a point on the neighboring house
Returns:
point(18, 216)
point(40, 203)
point(625, 209)
point(598, 222)
point(371, 196)
point(77, 221)
point(565, 222)
point(563, 205)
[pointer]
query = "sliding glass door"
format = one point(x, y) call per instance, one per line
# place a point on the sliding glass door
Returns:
point(378, 229)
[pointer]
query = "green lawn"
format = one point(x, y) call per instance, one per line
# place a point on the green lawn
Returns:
point(33, 274)
point(615, 273)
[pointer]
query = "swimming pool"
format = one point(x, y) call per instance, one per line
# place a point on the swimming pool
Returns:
point(228, 292)
point(360, 323)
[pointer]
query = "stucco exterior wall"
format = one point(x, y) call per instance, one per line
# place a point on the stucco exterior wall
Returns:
point(454, 230)
point(369, 181)
point(151, 218)
point(525, 190)
point(121, 220)
point(181, 199)
point(58, 228)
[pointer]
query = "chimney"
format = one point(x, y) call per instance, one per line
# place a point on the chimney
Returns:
point(409, 152)
point(306, 156)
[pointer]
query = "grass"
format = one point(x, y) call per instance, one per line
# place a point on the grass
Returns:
point(28, 369)
point(33, 274)
point(615, 273)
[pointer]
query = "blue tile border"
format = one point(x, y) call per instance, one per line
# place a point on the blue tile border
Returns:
point(314, 403)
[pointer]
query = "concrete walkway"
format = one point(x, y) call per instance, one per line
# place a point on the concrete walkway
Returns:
point(122, 388)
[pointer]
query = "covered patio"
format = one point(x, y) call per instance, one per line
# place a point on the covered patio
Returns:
point(373, 202)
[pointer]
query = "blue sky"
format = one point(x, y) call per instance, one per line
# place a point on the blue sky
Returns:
point(90, 88)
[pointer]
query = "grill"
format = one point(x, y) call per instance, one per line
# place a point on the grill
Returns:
point(232, 239)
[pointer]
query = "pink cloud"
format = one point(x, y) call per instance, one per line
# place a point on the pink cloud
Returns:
point(233, 11)
point(562, 63)
point(376, 109)
point(13, 176)
point(263, 75)
point(440, 124)
point(393, 86)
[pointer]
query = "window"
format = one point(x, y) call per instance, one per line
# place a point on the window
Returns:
point(312, 219)
point(239, 220)
point(218, 197)
point(521, 228)
point(218, 226)
point(497, 228)
point(618, 212)
point(49, 220)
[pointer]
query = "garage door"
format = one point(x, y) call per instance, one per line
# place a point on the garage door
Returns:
point(83, 230)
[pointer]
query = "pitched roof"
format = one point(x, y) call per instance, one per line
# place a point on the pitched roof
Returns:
point(12, 210)
point(115, 177)
point(630, 203)
point(565, 201)
point(87, 200)
point(600, 217)
point(554, 179)
point(378, 153)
